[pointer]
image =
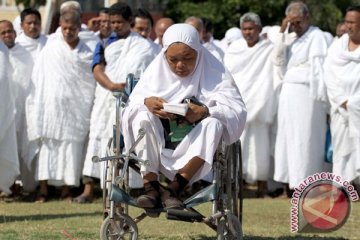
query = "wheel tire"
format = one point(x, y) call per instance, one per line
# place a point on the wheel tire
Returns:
point(229, 227)
point(120, 227)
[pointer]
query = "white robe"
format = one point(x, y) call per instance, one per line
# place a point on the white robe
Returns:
point(9, 162)
point(342, 69)
point(58, 109)
point(210, 83)
point(90, 38)
point(214, 50)
point(253, 72)
point(130, 55)
point(300, 140)
point(34, 46)
point(22, 64)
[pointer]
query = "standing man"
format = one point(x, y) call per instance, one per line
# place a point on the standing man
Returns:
point(104, 25)
point(22, 64)
point(249, 61)
point(126, 52)
point(9, 163)
point(208, 39)
point(300, 51)
point(160, 27)
point(31, 38)
point(198, 24)
point(342, 75)
point(143, 25)
point(59, 107)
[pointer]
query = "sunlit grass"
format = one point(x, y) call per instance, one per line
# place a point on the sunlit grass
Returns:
point(262, 219)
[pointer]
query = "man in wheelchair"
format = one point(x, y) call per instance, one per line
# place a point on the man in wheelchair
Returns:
point(183, 70)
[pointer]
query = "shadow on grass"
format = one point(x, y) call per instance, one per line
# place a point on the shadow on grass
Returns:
point(40, 217)
point(297, 237)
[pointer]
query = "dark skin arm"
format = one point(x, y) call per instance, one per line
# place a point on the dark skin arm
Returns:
point(103, 80)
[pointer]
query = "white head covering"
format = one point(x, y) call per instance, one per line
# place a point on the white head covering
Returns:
point(158, 79)
point(187, 35)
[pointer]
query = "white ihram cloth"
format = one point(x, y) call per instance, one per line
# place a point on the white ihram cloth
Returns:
point(343, 84)
point(253, 72)
point(130, 55)
point(9, 162)
point(34, 46)
point(214, 50)
point(58, 110)
point(90, 38)
point(210, 83)
point(22, 64)
point(300, 140)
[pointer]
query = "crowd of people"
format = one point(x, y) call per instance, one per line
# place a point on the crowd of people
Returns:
point(279, 89)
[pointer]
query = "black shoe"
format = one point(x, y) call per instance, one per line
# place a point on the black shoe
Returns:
point(151, 198)
point(170, 200)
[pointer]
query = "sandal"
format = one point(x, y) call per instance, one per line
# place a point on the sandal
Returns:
point(83, 199)
point(41, 198)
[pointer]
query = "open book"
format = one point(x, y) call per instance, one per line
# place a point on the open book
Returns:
point(176, 108)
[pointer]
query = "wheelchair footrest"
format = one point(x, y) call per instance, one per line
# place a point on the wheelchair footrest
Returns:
point(184, 215)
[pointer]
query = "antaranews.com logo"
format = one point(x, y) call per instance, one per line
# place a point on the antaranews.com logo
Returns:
point(321, 203)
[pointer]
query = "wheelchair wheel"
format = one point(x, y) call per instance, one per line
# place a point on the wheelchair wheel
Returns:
point(120, 227)
point(107, 180)
point(229, 227)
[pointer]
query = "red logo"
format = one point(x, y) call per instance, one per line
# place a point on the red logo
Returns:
point(325, 207)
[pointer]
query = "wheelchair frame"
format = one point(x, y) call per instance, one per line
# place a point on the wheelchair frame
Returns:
point(225, 191)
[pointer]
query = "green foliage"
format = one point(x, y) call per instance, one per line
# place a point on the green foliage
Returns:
point(226, 13)
point(31, 3)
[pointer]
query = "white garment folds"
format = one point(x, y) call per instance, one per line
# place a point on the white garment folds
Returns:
point(342, 69)
point(9, 162)
point(253, 72)
point(300, 140)
point(58, 109)
point(22, 63)
point(210, 83)
point(130, 55)
point(34, 46)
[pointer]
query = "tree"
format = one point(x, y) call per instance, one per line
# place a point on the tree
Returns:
point(226, 14)
point(30, 3)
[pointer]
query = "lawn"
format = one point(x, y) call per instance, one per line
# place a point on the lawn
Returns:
point(263, 219)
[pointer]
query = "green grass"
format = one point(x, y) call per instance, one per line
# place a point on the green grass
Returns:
point(262, 219)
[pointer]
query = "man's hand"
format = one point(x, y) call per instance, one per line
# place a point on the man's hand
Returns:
point(155, 106)
point(94, 24)
point(284, 24)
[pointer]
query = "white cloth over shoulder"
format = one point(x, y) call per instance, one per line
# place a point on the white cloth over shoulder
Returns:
point(58, 109)
point(130, 55)
point(253, 72)
point(210, 83)
point(342, 69)
point(214, 50)
point(9, 163)
point(34, 46)
point(303, 59)
point(90, 38)
point(300, 140)
point(62, 93)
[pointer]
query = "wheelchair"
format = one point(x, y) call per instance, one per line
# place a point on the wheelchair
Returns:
point(224, 192)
